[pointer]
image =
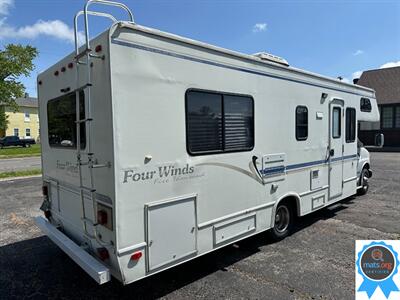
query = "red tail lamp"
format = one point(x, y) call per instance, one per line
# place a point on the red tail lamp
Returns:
point(70, 65)
point(137, 255)
point(102, 217)
point(56, 73)
point(103, 253)
point(63, 69)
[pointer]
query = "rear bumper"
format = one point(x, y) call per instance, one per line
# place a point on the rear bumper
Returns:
point(94, 268)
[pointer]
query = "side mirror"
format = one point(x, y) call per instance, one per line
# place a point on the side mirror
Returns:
point(379, 140)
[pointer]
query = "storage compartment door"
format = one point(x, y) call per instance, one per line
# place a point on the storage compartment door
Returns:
point(171, 231)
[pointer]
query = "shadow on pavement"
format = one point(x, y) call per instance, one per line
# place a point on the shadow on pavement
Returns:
point(38, 268)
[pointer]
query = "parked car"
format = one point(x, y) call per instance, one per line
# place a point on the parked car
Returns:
point(8, 141)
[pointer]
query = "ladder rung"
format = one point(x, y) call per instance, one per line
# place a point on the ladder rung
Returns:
point(92, 190)
point(84, 120)
point(102, 57)
point(83, 53)
point(96, 166)
point(89, 221)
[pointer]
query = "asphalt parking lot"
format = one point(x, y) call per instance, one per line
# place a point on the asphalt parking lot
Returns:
point(315, 262)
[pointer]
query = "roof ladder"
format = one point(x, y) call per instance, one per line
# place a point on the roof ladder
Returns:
point(83, 60)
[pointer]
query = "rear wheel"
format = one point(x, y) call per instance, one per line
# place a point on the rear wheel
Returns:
point(364, 185)
point(283, 221)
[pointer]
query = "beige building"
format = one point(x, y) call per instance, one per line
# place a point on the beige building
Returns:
point(24, 122)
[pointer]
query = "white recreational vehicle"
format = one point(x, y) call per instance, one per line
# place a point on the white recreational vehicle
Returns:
point(157, 149)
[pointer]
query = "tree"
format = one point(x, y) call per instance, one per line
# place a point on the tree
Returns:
point(15, 61)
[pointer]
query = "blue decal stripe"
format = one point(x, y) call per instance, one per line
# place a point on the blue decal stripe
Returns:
point(203, 61)
point(282, 169)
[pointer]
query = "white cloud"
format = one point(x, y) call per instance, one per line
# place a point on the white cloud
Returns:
point(55, 29)
point(358, 52)
point(356, 74)
point(260, 27)
point(345, 79)
point(5, 6)
point(390, 64)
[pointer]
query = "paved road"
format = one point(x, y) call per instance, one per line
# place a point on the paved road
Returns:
point(316, 262)
point(18, 164)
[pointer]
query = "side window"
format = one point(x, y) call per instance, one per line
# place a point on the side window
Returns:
point(301, 123)
point(61, 117)
point(336, 123)
point(365, 105)
point(218, 123)
point(350, 125)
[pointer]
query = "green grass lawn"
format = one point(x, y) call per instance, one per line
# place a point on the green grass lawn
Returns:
point(11, 152)
point(20, 173)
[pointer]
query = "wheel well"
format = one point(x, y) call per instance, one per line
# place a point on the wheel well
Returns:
point(293, 203)
point(366, 166)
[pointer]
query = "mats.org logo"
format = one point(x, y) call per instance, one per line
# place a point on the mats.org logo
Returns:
point(377, 270)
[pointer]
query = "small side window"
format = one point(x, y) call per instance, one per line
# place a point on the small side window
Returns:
point(350, 125)
point(301, 123)
point(365, 105)
point(336, 122)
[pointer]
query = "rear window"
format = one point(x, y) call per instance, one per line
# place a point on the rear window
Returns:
point(61, 117)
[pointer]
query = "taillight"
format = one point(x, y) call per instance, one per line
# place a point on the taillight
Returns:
point(102, 217)
point(103, 253)
point(137, 255)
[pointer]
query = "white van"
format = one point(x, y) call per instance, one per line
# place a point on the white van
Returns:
point(157, 149)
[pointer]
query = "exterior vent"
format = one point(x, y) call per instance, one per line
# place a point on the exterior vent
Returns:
point(271, 57)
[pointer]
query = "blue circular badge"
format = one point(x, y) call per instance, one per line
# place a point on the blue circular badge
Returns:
point(377, 263)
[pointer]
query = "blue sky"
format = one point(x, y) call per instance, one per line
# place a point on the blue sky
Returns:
point(333, 38)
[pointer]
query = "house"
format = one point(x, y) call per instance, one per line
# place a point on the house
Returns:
point(24, 122)
point(386, 83)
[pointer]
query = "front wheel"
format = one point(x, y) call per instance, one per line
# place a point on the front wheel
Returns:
point(283, 222)
point(364, 185)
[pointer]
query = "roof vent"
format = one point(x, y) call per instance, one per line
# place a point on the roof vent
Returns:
point(271, 57)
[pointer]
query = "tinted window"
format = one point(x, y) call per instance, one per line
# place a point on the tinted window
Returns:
point(365, 105)
point(61, 117)
point(301, 123)
point(350, 125)
point(218, 122)
point(336, 122)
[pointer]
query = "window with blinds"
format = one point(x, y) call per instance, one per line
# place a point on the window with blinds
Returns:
point(218, 123)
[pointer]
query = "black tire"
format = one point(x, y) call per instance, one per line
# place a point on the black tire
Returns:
point(284, 220)
point(364, 185)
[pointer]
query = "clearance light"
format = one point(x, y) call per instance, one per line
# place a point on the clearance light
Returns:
point(56, 73)
point(98, 49)
point(63, 69)
point(137, 255)
point(103, 253)
point(70, 65)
